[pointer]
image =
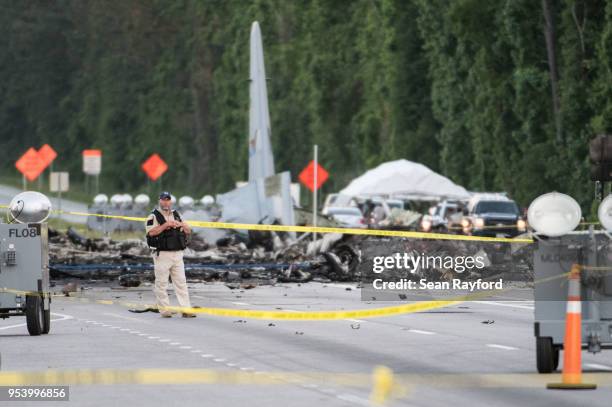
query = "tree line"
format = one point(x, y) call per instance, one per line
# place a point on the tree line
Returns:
point(498, 95)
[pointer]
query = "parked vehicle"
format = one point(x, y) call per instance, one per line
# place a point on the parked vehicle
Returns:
point(492, 216)
point(348, 216)
point(445, 216)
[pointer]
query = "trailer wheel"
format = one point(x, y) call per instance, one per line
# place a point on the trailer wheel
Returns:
point(547, 355)
point(34, 314)
point(46, 321)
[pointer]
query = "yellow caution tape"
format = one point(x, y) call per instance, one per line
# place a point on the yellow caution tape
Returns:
point(317, 315)
point(169, 376)
point(351, 231)
point(318, 229)
point(325, 315)
point(383, 384)
point(282, 315)
point(381, 381)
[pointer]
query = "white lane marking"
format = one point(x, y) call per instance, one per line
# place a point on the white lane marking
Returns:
point(246, 368)
point(230, 364)
point(504, 347)
point(310, 385)
point(142, 334)
point(343, 286)
point(598, 366)
point(165, 340)
point(501, 304)
point(219, 360)
point(174, 343)
point(511, 300)
point(328, 390)
point(142, 321)
point(134, 332)
point(207, 355)
point(240, 303)
point(356, 320)
point(353, 399)
point(196, 351)
point(124, 329)
point(64, 317)
point(185, 347)
point(418, 331)
point(153, 337)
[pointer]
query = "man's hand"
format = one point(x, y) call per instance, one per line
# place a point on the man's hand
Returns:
point(164, 226)
point(169, 224)
point(173, 224)
point(185, 227)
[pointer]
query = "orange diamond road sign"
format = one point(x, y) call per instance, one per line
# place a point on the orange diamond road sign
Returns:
point(307, 176)
point(154, 166)
point(47, 154)
point(30, 164)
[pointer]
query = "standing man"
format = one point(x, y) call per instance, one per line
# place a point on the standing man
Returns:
point(167, 234)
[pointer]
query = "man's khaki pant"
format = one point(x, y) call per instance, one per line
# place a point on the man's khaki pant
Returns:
point(170, 264)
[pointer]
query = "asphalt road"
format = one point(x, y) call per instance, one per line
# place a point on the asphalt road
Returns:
point(432, 353)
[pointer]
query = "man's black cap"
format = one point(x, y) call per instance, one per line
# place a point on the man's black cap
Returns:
point(165, 195)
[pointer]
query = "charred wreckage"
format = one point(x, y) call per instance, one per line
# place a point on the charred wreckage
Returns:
point(262, 258)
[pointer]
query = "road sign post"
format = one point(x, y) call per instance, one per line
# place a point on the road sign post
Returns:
point(314, 192)
point(92, 166)
point(313, 176)
point(59, 182)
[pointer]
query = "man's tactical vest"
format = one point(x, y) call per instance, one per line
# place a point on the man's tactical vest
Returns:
point(171, 239)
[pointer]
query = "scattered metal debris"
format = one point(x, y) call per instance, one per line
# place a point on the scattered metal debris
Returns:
point(267, 258)
point(140, 311)
point(242, 262)
point(129, 280)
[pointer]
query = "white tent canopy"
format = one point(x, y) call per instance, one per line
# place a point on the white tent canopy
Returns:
point(405, 178)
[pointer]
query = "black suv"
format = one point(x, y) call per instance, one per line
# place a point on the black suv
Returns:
point(493, 218)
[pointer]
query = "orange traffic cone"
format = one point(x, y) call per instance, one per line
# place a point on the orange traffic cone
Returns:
point(572, 343)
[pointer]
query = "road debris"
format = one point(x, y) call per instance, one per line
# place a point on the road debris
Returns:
point(141, 311)
point(246, 261)
point(261, 258)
